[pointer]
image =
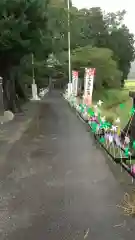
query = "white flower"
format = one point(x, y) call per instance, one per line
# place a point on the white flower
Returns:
point(103, 119)
point(100, 103)
point(95, 106)
point(117, 120)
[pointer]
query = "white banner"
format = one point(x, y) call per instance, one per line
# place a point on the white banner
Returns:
point(75, 82)
point(88, 84)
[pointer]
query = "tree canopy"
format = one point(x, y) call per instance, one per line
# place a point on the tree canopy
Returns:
point(23, 28)
point(40, 27)
point(98, 29)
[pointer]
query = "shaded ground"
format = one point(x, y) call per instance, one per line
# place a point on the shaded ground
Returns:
point(56, 184)
point(12, 131)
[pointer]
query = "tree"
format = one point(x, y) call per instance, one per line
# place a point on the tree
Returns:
point(25, 73)
point(120, 41)
point(114, 20)
point(107, 73)
point(87, 26)
point(23, 27)
point(92, 27)
point(57, 23)
point(122, 44)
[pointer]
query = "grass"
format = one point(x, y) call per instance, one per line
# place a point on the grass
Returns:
point(112, 100)
point(130, 84)
point(128, 204)
point(112, 104)
point(116, 112)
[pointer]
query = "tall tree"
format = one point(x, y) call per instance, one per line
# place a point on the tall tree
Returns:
point(121, 41)
point(122, 44)
point(96, 28)
point(23, 27)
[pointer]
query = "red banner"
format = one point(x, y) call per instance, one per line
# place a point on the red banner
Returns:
point(91, 71)
point(75, 74)
point(89, 80)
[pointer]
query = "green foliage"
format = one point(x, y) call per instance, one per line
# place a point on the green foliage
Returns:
point(116, 104)
point(57, 24)
point(107, 75)
point(113, 20)
point(111, 97)
point(22, 27)
point(122, 43)
point(94, 27)
point(41, 27)
point(25, 71)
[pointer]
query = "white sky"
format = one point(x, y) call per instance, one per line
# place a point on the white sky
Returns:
point(112, 6)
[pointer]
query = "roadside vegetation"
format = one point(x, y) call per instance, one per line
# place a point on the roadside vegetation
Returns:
point(116, 103)
point(39, 27)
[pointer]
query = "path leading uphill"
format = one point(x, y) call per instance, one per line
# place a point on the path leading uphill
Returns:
point(56, 184)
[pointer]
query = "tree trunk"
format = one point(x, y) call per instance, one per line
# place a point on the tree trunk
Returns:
point(5, 93)
point(9, 93)
point(8, 73)
point(20, 91)
point(12, 90)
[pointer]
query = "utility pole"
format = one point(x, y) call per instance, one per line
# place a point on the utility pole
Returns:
point(33, 70)
point(69, 51)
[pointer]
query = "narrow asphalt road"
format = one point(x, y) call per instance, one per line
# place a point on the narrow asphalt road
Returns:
point(57, 185)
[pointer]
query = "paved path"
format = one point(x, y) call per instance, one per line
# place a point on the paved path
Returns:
point(56, 184)
point(12, 131)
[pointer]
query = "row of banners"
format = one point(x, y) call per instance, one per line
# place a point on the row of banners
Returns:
point(88, 84)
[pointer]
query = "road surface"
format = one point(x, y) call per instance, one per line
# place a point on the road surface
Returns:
point(56, 184)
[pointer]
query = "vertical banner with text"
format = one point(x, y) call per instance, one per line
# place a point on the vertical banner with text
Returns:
point(88, 85)
point(75, 82)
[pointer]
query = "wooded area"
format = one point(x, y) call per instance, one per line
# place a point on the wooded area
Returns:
point(40, 27)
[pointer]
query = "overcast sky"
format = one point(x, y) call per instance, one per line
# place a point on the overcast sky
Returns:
point(112, 5)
